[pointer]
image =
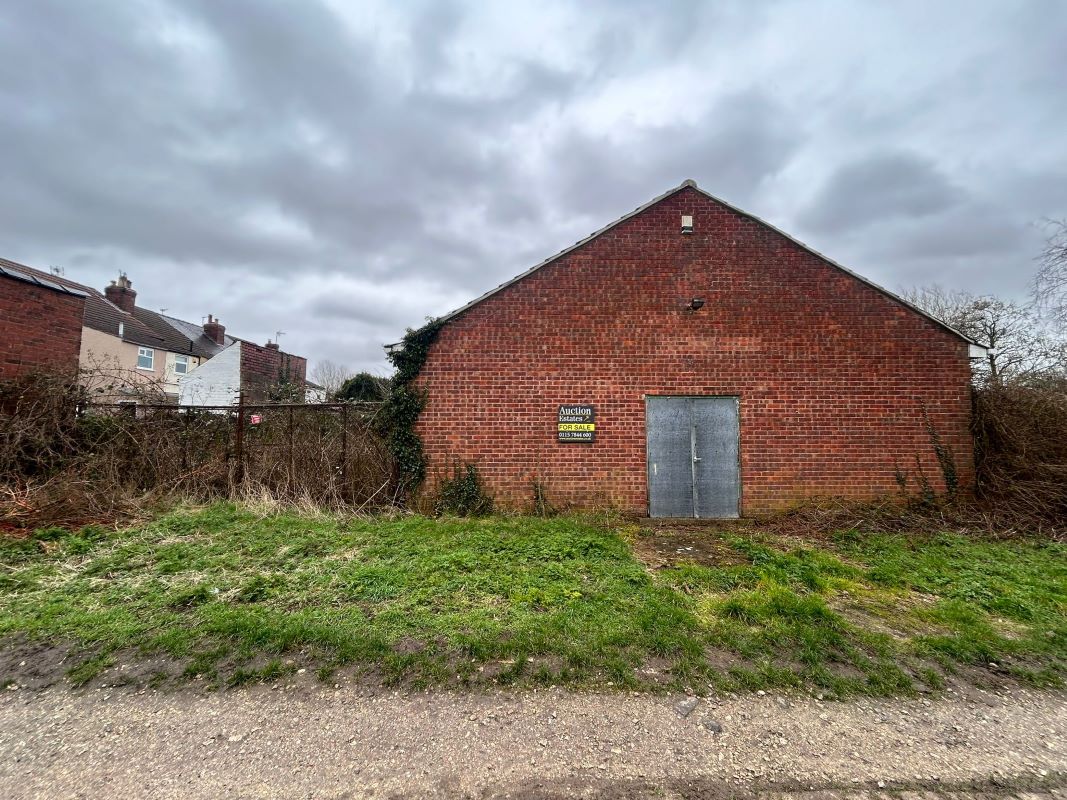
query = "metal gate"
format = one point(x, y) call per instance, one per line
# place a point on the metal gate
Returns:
point(693, 457)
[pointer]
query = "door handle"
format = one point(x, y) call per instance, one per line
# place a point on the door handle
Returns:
point(697, 458)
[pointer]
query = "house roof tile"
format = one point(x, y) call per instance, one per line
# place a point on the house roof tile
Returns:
point(180, 336)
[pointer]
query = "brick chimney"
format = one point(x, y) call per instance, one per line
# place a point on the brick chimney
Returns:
point(121, 293)
point(272, 345)
point(215, 330)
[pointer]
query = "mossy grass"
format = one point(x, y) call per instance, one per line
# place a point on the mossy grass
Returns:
point(883, 614)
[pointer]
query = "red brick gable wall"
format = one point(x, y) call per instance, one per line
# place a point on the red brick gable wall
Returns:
point(265, 368)
point(835, 379)
point(39, 328)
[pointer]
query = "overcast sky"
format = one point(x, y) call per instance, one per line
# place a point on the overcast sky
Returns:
point(341, 170)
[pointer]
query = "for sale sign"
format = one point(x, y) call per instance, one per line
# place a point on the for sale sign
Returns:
point(576, 424)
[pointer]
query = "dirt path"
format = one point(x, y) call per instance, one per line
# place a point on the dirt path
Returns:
point(310, 741)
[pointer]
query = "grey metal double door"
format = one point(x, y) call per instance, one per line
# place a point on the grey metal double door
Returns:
point(693, 457)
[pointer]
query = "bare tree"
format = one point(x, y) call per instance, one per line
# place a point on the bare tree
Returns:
point(1020, 344)
point(330, 376)
point(1050, 283)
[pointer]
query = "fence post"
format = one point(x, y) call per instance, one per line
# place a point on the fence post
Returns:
point(185, 440)
point(344, 450)
point(239, 438)
point(292, 474)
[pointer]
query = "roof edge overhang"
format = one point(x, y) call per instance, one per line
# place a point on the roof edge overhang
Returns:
point(976, 349)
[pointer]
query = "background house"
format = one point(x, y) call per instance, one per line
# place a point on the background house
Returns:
point(264, 374)
point(127, 352)
point(136, 342)
point(40, 321)
point(691, 360)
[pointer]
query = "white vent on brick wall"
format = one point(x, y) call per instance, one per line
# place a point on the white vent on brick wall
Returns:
point(687, 223)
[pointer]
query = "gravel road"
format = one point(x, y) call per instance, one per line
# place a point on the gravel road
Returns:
point(301, 739)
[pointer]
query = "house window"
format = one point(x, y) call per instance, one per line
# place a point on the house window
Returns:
point(146, 357)
point(181, 365)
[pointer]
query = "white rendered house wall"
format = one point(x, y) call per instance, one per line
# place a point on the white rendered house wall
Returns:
point(216, 382)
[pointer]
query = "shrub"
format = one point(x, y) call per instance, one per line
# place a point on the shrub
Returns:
point(1021, 449)
point(462, 494)
point(364, 388)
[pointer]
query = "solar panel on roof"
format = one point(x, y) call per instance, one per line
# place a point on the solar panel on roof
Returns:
point(50, 285)
point(19, 275)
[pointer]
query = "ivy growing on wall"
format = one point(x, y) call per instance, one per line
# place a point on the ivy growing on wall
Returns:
point(404, 404)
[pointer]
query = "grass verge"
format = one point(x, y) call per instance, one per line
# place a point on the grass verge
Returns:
point(882, 614)
point(239, 597)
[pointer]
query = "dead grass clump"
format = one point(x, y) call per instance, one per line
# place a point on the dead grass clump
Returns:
point(826, 515)
point(822, 517)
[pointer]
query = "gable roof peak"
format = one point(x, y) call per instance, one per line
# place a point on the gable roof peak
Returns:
point(689, 183)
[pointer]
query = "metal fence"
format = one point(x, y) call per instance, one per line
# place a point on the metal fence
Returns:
point(327, 452)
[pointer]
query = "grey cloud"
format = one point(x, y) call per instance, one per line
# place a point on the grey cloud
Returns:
point(965, 232)
point(739, 143)
point(950, 248)
point(181, 185)
point(882, 186)
point(636, 34)
point(274, 165)
point(900, 220)
point(350, 306)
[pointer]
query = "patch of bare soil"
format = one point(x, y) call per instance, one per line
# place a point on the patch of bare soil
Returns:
point(964, 679)
point(723, 660)
point(39, 664)
point(137, 670)
point(408, 646)
point(28, 664)
point(663, 543)
point(33, 664)
point(656, 671)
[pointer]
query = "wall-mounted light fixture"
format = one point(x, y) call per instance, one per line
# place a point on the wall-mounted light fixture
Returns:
point(696, 304)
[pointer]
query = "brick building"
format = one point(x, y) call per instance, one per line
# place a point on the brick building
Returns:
point(691, 360)
point(265, 369)
point(40, 322)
